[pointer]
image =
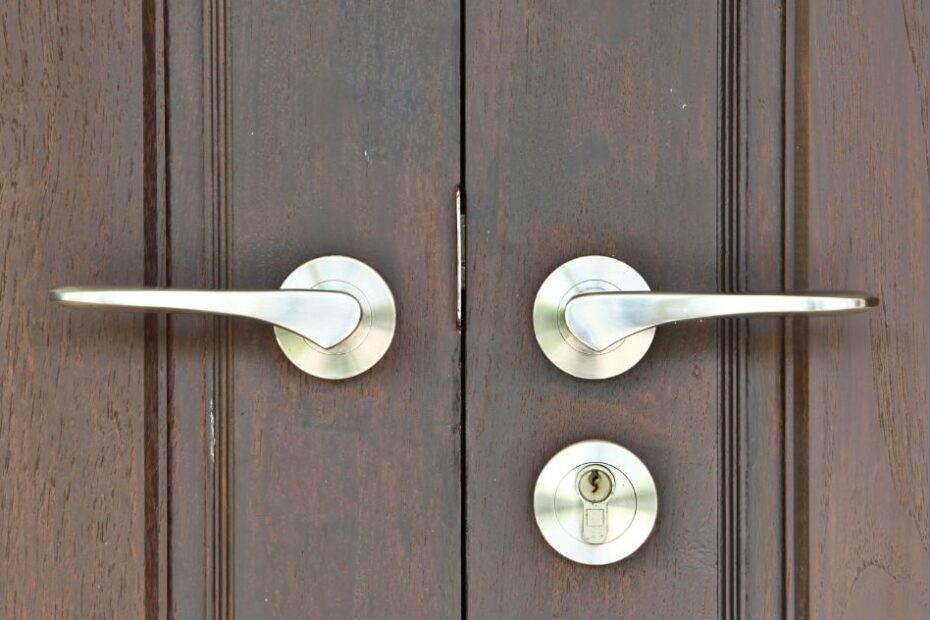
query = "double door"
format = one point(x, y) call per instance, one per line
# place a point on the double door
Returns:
point(182, 466)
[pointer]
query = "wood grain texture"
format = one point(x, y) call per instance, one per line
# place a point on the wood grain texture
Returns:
point(343, 138)
point(869, 228)
point(591, 128)
point(72, 511)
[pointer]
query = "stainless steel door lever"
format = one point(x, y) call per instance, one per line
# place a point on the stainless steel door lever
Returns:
point(595, 317)
point(334, 316)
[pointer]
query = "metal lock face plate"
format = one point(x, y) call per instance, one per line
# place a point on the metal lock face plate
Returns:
point(371, 339)
point(595, 502)
point(587, 274)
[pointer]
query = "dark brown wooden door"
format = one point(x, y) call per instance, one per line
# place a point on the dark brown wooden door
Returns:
point(182, 467)
point(727, 146)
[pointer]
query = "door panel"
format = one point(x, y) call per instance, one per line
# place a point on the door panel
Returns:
point(73, 391)
point(869, 415)
point(330, 128)
point(196, 472)
point(590, 130)
point(764, 436)
point(344, 140)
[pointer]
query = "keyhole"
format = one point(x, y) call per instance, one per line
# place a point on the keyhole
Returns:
point(595, 485)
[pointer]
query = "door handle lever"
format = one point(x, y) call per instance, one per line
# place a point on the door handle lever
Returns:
point(595, 317)
point(334, 316)
point(600, 320)
point(323, 317)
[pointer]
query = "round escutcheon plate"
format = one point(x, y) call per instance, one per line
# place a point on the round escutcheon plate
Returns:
point(370, 340)
point(587, 274)
point(560, 510)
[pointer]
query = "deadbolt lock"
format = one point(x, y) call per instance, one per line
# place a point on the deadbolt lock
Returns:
point(595, 502)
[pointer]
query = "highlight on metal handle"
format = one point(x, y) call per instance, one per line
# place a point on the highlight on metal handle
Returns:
point(324, 317)
point(334, 316)
point(595, 316)
point(600, 320)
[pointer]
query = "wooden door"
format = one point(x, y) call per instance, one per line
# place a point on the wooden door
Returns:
point(182, 467)
point(728, 146)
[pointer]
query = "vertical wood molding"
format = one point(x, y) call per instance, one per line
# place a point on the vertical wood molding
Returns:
point(761, 513)
point(156, 408)
point(731, 278)
point(219, 223)
point(796, 130)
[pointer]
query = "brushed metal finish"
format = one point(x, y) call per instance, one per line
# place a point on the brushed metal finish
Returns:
point(370, 340)
point(595, 318)
point(602, 319)
point(334, 316)
point(559, 507)
point(324, 317)
point(584, 275)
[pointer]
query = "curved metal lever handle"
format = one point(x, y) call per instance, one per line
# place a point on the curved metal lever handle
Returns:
point(323, 317)
point(595, 317)
point(334, 316)
point(600, 320)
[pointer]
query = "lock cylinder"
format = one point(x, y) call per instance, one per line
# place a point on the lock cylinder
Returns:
point(595, 502)
point(595, 486)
